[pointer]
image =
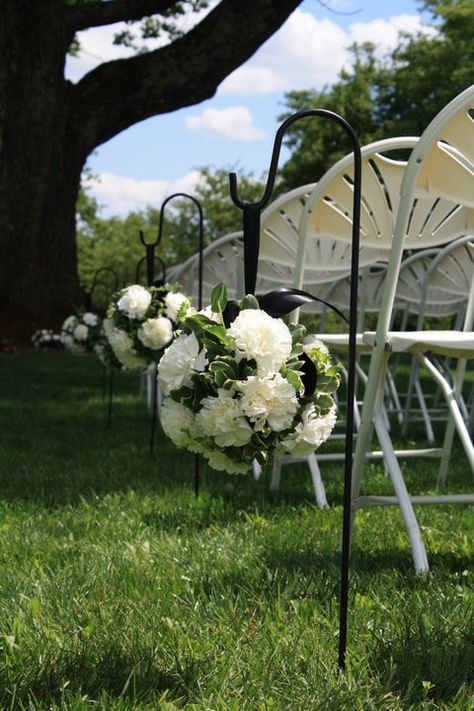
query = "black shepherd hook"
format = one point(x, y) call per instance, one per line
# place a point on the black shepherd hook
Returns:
point(200, 234)
point(251, 230)
point(200, 273)
point(100, 279)
point(156, 260)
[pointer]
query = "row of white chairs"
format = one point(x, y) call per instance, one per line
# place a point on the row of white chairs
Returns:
point(416, 260)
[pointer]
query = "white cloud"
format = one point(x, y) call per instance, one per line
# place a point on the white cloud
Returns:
point(119, 195)
point(308, 52)
point(234, 122)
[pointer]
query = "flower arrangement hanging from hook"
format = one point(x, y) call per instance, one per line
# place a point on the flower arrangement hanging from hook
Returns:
point(251, 390)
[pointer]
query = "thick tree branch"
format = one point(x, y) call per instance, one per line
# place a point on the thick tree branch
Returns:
point(185, 72)
point(95, 14)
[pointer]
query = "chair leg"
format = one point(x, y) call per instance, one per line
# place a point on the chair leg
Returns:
point(276, 474)
point(449, 392)
point(420, 558)
point(318, 485)
point(373, 404)
point(256, 470)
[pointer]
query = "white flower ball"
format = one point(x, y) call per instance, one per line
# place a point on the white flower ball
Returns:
point(177, 362)
point(222, 419)
point(134, 301)
point(310, 433)
point(177, 422)
point(173, 303)
point(156, 333)
point(265, 339)
point(90, 319)
point(269, 400)
point(81, 332)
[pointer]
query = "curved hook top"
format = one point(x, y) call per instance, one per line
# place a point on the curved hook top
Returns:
point(260, 204)
point(104, 270)
point(162, 212)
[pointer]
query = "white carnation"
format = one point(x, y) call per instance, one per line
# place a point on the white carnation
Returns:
point(108, 326)
point(220, 461)
point(81, 332)
point(222, 418)
point(212, 315)
point(311, 342)
point(156, 333)
point(70, 323)
point(265, 339)
point(269, 400)
point(90, 319)
point(173, 303)
point(310, 433)
point(134, 301)
point(176, 364)
point(177, 422)
point(122, 346)
point(71, 345)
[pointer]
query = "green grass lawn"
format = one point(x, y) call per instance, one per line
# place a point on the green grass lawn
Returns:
point(120, 590)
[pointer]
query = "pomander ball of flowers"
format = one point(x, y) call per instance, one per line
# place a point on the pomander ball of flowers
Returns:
point(142, 321)
point(46, 338)
point(81, 332)
point(249, 391)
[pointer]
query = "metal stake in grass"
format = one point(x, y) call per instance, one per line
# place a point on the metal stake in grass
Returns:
point(275, 301)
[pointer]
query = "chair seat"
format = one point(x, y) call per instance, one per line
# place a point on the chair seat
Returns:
point(340, 342)
point(458, 344)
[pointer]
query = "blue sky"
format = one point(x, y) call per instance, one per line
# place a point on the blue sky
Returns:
point(236, 127)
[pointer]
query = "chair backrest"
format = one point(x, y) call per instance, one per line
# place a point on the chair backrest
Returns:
point(325, 259)
point(441, 139)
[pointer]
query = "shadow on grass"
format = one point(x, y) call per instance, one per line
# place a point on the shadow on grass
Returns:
point(143, 677)
point(425, 664)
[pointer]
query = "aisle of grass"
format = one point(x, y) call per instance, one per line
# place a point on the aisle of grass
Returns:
point(120, 590)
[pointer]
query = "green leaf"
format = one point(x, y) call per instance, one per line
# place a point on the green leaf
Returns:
point(294, 378)
point(219, 298)
point(249, 302)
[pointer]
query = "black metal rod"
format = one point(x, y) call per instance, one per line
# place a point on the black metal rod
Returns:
point(104, 381)
point(111, 397)
point(197, 467)
point(251, 229)
point(154, 409)
point(197, 474)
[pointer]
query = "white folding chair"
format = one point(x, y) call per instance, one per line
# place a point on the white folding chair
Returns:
point(436, 198)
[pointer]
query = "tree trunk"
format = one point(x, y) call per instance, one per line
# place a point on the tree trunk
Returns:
point(49, 126)
point(40, 168)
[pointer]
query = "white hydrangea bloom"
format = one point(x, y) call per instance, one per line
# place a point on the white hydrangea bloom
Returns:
point(269, 400)
point(265, 339)
point(177, 422)
point(173, 303)
point(310, 433)
point(156, 333)
point(81, 332)
point(311, 342)
point(220, 461)
point(134, 301)
point(222, 419)
point(177, 362)
point(90, 319)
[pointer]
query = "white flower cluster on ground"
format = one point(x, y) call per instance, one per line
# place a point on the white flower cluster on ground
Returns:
point(46, 338)
point(80, 333)
point(142, 321)
point(242, 393)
